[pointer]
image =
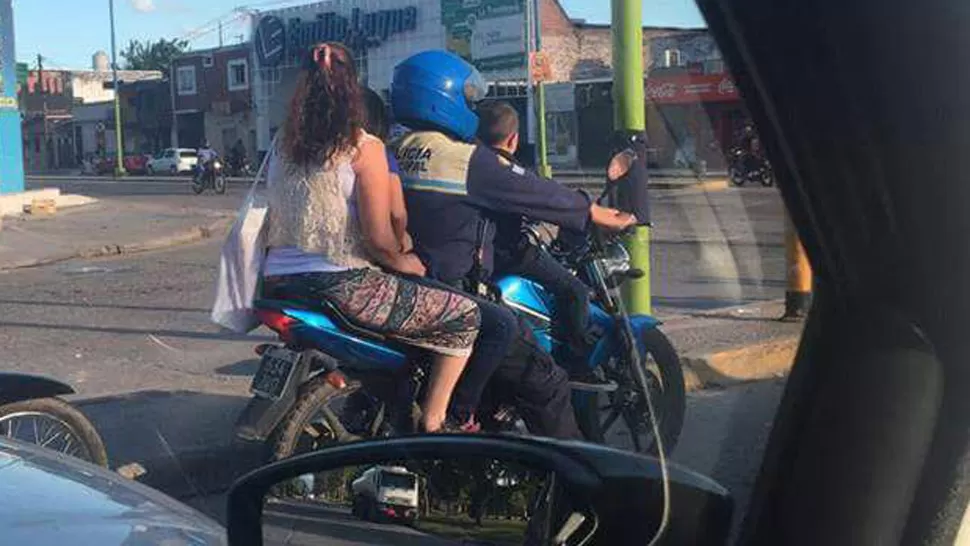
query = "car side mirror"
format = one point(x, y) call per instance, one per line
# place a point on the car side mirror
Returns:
point(620, 164)
point(481, 489)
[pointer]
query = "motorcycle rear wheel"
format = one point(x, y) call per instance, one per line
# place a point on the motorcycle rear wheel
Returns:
point(319, 418)
point(598, 415)
point(54, 424)
point(767, 179)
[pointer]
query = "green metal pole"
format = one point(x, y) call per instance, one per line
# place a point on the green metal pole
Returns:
point(544, 168)
point(119, 141)
point(629, 116)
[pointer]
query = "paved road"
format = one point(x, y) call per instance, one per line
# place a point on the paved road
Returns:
point(137, 326)
point(710, 249)
point(308, 525)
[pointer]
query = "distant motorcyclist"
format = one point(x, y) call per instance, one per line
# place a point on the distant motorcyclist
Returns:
point(451, 187)
point(206, 155)
point(751, 147)
point(237, 158)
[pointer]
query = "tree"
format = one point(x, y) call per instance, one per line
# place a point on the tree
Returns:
point(147, 55)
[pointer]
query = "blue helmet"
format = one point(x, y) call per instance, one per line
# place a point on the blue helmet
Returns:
point(437, 88)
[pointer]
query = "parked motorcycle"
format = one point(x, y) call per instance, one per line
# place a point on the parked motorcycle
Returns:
point(210, 175)
point(330, 381)
point(31, 412)
point(743, 167)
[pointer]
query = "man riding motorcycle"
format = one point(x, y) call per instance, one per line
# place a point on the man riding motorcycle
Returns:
point(452, 187)
point(206, 155)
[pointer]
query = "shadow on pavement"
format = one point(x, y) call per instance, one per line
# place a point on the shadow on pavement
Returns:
point(241, 368)
point(184, 440)
point(86, 305)
point(219, 336)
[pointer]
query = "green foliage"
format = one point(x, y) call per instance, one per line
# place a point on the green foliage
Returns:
point(147, 55)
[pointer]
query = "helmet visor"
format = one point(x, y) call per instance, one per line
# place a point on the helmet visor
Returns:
point(475, 87)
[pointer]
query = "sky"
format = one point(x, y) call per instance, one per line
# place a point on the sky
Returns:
point(68, 32)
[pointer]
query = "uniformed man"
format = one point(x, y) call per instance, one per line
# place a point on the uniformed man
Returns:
point(452, 186)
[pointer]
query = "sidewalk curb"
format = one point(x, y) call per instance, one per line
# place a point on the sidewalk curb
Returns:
point(767, 359)
point(183, 237)
point(717, 184)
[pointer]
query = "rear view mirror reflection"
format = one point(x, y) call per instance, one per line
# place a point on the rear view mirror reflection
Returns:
point(438, 502)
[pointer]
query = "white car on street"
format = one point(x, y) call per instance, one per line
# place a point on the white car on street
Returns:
point(173, 161)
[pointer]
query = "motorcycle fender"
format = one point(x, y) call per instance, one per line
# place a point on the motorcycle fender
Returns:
point(16, 387)
point(640, 323)
point(262, 415)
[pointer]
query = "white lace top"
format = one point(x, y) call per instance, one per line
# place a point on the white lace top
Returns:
point(313, 223)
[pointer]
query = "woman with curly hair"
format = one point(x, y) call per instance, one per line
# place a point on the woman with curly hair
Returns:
point(330, 234)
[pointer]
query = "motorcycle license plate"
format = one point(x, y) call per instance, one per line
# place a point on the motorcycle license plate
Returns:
point(276, 368)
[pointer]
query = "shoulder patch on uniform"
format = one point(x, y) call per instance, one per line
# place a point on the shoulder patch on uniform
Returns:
point(518, 170)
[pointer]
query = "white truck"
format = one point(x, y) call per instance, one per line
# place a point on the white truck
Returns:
point(386, 492)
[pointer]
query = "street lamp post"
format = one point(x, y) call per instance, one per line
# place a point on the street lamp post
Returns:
point(119, 141)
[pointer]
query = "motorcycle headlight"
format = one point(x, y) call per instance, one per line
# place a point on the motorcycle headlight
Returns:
point(217, 165)
point(614, 259)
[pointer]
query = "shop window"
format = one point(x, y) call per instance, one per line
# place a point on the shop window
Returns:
point(238, 74)
point(185, 80)
point(672, 58)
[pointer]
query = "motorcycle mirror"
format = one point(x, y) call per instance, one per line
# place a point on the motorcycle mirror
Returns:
point(460, 489)
point(620, 164)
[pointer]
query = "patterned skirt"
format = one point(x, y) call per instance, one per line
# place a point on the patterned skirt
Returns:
point(434, 319)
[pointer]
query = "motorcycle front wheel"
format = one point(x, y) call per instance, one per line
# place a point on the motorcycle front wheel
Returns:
point(220, 183)
point(736, 177)
point(53, 424)
point(621, 418)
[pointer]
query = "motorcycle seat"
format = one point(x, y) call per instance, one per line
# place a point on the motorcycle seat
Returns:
point(322, 307)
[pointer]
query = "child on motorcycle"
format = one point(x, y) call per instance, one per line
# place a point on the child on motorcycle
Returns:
point(330, 236)
point(498, 129)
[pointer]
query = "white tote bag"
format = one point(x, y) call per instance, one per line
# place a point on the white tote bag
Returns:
point(241, 261)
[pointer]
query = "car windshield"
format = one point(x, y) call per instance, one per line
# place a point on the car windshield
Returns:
point(204, 340)
point(397, 481)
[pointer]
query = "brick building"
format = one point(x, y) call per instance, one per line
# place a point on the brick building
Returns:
point(48, 100)
point(213, 99)
point(692, 107)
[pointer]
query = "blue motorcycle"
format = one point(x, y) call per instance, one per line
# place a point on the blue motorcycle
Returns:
point(330, 381)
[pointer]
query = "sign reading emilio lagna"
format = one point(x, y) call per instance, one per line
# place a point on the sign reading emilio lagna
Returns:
point(278, 42)
point(11, 146)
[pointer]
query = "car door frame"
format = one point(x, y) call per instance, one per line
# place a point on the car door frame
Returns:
point(871, 436)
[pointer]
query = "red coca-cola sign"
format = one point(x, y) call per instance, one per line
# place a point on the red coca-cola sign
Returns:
point(686, 88)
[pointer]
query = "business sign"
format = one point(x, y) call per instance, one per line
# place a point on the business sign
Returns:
point(11, 147)
point(490, 34)
point(277, 41)
point(688, 88)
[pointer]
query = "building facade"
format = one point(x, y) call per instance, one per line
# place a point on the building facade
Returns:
point(48, 102)
point(492, 34)
point(379, 32)
point(212, 96)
